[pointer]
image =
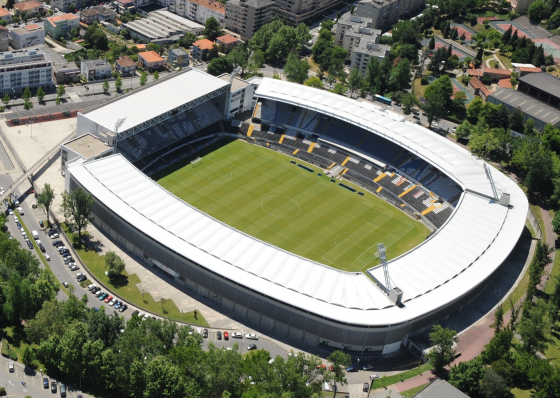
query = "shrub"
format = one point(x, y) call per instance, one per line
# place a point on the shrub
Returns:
point(424, 80)
point(550, 68)
point(3, 391)
point(7, 351)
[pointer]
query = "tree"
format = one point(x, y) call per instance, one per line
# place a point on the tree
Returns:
point(77, 207)
point(483, 141)
point(408, 101)
point(60, 90)
point(400, 75)
point(517, 120)
point(466, 376)
point(26, 94)
point(239, 57)
point(339, 88)
point(118, 83)
point(188, 40)
point(442, 341)
point(521, 56)
point(340, 361)
point(27, 356)
point(219, 65)
point(114, 263)
point(212, 29)
point(554, 21)
point(313, 81)
point(105, 86)
point(555, 298)
point(156, 76)
point(479, 54)
point(438, 96)
point(40, 94)
point(143, 79)
point(459, 99)
point(464, 130)
point(296, 69)
point(432, 44)
point(529, 127)
point(492, 385)
point(45, 200)
point(6, 99)
point(355, 81)
point(498, 348)
point(475, 107)
point(535, 327)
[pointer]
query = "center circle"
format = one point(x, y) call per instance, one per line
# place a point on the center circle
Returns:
point(280, 206)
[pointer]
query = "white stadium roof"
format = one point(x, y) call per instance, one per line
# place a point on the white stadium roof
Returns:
point(154, 100)
point(473, 243)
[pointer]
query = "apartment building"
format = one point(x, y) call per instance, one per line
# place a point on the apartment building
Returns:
point(64, 5)
point(5, 15)
point(97, 13)
point(365, 50)
point(295, 12)
point(240, 95)
point(197, 10)
point(351, 30)
point(4, 39)
point(385, 13)
point(26, 36)
point(61, 25)
point(25, 68)
point(245, 17)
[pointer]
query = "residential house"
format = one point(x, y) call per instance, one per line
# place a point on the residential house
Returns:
point(123, 6)
point(5, 15)
point(25, 68)
point(61, 25)
point(64, 72)
point(4, 39)
point(201, 48)
point(495, 74)
point(478, 88)
point(245, 17)
point(125, 66)
point(95, 69)
point(27, 36)
point(64, 5)
point(227, 41)
point(525, 70)
point(178, 57)
point(31, 8)
point(151, 60)
point(97, 13)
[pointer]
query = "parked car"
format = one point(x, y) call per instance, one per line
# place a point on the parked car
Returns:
point(219, 335)
point(42, 248)
point(371, 377)
point(251, 347)
point(30, 244)
point(369, 366)
point(117, 305)
point(251, 336)
point(53, 387)
point(65, 284)
point(135, 312)
point(366, 387)
point(45, 382)
point(11, 367)
point(205, 333)
point(53, 235)
point(47, 257)
point(226, 336)
point(41, 223)
point(62, 390)
point(99, 294)
point(74, 268)
point(56, 243)
point(236, 335)
point(123, 308)
point(20, 210)
point(82, 278)
point(68, 260)
point(107, 299)
point(112, 302)
point(352, 369)
point(103, 296)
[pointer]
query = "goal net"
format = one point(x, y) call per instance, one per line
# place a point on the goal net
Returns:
point(197, 162)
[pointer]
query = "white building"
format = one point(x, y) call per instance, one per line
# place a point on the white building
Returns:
point(240, 95)
point(95, 69)
point(24, 68)
point(365, 50)
point(27, 36)
point(197, 10)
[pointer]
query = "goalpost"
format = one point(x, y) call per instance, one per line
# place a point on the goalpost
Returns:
point(196, 162)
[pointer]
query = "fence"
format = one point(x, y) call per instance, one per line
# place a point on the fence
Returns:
point(534, 224)
point(7, 141)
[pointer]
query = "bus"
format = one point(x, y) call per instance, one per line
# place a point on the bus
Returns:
point(383, 100)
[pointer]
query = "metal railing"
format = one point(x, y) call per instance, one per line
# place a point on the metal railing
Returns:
point(534, 223)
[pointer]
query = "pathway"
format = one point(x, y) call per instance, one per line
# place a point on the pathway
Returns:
point(551, 241)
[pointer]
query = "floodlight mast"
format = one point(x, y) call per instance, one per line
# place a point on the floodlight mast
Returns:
point(381, 252)
point(117, 125)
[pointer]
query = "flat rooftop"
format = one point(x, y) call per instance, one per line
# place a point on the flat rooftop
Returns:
point(237, 83)
point(87, 145)
point(154, 100)
point(544, 82)
point(530, 105)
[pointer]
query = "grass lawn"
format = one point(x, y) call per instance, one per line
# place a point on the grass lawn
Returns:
point(257, 191)
point(413, 391)
point(517, 393)
point(126, 288)
point(17, 339)
point(418, 88)
point(537, 211)
point(505, 60)
point(387, 381)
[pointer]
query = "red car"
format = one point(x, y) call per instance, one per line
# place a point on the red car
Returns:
point(108, 299)
point(226, 336)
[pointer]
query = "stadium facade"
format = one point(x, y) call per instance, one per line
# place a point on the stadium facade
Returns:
point(478, 215)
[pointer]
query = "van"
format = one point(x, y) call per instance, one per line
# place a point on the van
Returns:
point(35, 234)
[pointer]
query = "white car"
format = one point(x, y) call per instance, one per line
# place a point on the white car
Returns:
point(91, 286)
point(141, 315)
point(113, 302)
point(236, 335)
point(20, 211)
point(16, 219)
point(10, 212)
point(11, 367)
point(251, 336)
point(38, 242)
point(78, 275)
point(16, 202)
point(22, 231)
point(47, 257)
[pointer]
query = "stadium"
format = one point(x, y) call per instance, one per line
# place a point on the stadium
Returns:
point(200, 219)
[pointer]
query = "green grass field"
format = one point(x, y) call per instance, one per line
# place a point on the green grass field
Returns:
point(259, 192)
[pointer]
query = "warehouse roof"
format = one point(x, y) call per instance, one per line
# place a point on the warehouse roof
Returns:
point(461, 255)
point(531, 106)
point(544, 82)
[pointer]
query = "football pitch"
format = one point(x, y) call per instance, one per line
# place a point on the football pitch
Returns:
point(258, 191)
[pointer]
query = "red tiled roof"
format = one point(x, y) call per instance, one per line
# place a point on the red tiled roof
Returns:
point(54, 20)
point(4, 12)
point(496, 71)
point(227, 39)
point(204, 44)
point(505, 83)
point(477, 84)
point(529, 69)
point(211, 4)
point(28, 5)
point(125, 61)
point(150, 56)
point(475, 72)
point(32, 26)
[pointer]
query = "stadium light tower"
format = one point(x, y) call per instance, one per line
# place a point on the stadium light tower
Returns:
point(117, 125)
point(383, 261)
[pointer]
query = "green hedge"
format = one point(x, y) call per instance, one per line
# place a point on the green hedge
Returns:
point(2, 391)
point(7, 351)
